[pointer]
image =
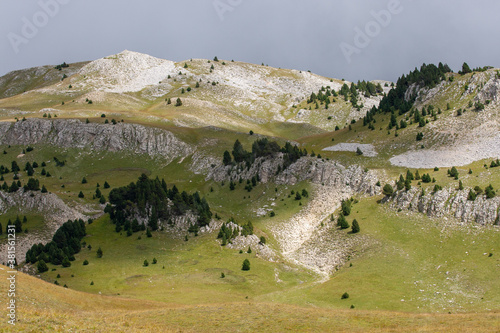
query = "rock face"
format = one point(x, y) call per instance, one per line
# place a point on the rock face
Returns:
point(76, 134)
point(318, 171)
point(449, 202)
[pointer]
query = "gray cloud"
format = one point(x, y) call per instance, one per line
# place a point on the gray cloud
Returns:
point(283, 33)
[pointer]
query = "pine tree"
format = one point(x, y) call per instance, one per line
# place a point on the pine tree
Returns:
point(106, 185)
point(227, 158)
point(44, 189)
point(355, 227)
point(148, 233)
point(342, 222)
point(465, 68)
point(178, 102)
point(346, 207)
point(246, 265)
point(249, 250)
point(146, 263)
point(472, 195)
point(99, 252)
point(84, 180)
point(18, 224)
point(80, 195)
point(42, 266)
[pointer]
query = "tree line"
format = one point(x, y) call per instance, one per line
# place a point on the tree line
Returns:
point(263, 148)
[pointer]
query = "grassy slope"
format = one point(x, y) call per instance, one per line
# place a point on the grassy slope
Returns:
point(44, 307)
point(417, 259)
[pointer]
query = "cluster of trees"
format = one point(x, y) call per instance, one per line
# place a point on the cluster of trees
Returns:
point(32, 185)
point(488, 191)
point(152, 199)
point(427, 76)
point(405, 183)
point(61, 66)
point(263, 148)
point(398, 99)
point(61, 250)
point(327, 95)
point(346, 211)
point(227, 232)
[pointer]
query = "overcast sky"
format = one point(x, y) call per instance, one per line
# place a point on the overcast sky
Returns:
point(362, 39)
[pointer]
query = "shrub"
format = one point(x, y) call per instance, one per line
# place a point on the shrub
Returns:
point(65, 262)
point(388, 190)
point(490, 193)
point(344, 296)
point(99, 252)
point(85, 262)
point(42, 266)
point(146, 263)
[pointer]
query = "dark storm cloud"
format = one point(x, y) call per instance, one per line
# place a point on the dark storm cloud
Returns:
point(354, 40)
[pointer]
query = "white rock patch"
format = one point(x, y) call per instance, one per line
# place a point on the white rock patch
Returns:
point(367, 149)
point(455, 156)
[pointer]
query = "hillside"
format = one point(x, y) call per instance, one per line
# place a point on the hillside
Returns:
point(232, 95)
point(253, 194)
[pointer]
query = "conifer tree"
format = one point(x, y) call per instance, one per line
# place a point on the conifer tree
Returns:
point(42, 266)
point(246, 265)
point(355, 227)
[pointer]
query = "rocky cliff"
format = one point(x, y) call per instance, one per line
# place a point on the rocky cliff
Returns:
point(318, 171)
point(76, 134)
point(448, 201)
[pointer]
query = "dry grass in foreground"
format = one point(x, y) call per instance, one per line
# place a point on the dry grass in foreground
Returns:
point(43, 307)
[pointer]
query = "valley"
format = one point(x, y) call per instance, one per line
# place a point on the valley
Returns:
point(281, 157)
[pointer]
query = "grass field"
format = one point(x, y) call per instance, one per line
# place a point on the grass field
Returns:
point(44, 307)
